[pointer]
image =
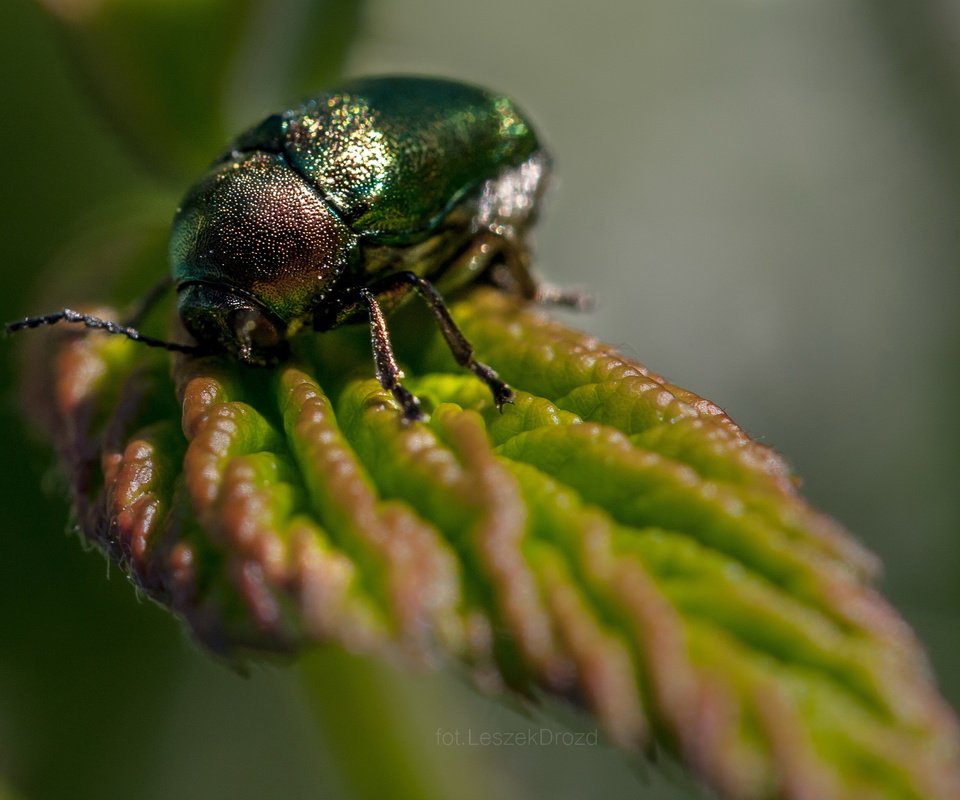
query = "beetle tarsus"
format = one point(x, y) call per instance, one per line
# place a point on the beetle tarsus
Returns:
point(502, 393)
point(506, 396)
point(409, 403)
point(549, 295)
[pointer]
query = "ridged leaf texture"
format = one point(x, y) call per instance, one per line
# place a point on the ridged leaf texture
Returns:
point(610, 538)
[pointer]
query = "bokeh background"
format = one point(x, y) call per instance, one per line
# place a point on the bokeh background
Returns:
point(764, 198)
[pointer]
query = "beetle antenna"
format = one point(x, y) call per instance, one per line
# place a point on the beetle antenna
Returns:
point(95, 323)
point(148, 301)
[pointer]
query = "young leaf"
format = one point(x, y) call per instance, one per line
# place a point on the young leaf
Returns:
point(610, 538)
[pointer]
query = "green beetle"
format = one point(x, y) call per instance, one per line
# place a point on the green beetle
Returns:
point(362, 194)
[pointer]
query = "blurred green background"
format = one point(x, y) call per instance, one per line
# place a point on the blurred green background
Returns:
point(765, 199)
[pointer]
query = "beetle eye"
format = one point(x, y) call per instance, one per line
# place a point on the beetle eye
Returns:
point(254, 329)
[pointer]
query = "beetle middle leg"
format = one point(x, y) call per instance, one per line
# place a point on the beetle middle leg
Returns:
point(459, 346)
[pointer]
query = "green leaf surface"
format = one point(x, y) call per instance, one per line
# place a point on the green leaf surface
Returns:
point(609, 538)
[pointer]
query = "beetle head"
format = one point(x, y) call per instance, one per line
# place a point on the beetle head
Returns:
point(222, 319)
point(254, 249)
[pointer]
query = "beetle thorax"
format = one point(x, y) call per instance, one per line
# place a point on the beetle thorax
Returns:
point(254, 224)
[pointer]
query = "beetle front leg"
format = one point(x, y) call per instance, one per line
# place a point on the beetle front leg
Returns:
point(459, 346)
point(385, 363)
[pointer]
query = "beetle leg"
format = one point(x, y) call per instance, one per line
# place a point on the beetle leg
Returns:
point(515, 276)
point(459, 346)
point(148, 301)
point(71, 316)
point(516, 270)
point(385, 363)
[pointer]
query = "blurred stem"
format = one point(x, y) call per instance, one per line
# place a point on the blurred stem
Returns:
point(276, 65)
point(921, 38)
point(381, 727)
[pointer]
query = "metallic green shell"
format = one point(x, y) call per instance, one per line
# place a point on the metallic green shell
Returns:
point(393, 155)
